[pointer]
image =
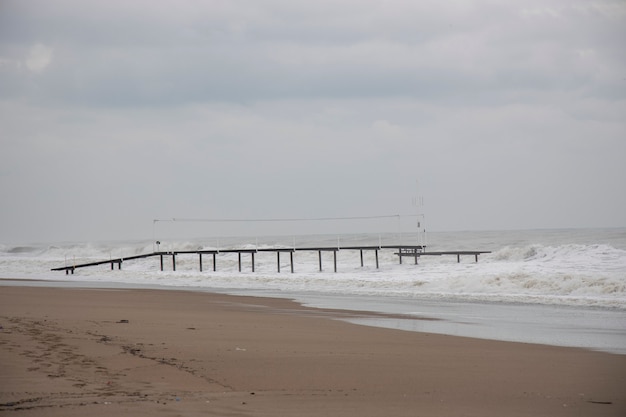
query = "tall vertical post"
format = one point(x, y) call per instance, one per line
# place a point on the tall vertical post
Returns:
point(252, 253)
point(361, 258)
point(278, 261)
point(458, 258)
point(173, 261)
point(200, 254)
point(291, 260)
point(214, 262)
point(239, 253)
point(335, 259)
point(319, 253)
point(376, 250)
point(161, 256)
point(400, 255)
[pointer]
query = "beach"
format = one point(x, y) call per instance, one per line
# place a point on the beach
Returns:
point(70, 352)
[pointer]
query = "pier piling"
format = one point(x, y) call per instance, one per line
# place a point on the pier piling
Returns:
point(319, 252)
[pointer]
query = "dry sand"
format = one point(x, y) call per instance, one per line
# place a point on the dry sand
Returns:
point(76, 352)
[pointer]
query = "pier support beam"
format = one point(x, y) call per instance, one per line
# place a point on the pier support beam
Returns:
point(239, 254)
point(161, 256)
point(214, 263)
point(200, 255)
point(319, 253)
point(173, 262)
point(252, 253)
point(291, 260)
point(335, 259)
point(376, 250)
point(458, 258)
point(361, 258)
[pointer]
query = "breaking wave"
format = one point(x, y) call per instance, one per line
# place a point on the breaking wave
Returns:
point(556, 273)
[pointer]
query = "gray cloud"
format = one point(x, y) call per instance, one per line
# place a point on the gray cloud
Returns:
point(115, 113)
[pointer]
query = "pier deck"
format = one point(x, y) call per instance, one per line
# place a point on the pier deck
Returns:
point(413, 251)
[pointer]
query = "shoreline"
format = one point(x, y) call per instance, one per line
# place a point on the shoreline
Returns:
point(140, 352)
point(587, 327)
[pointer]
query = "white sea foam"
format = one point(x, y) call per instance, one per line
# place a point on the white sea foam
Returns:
point(564, 267)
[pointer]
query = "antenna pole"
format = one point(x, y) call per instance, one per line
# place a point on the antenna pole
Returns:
point(418, 202)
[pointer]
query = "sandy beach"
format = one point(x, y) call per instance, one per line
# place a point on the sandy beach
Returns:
point(76, 352)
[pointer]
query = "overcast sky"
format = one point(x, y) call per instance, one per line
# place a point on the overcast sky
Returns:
point(114, 113)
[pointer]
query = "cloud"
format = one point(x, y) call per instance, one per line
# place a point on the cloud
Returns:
point(506, 113)
point(120, 55)
point(39, 57)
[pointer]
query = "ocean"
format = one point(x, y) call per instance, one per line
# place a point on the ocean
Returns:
point(561, 287)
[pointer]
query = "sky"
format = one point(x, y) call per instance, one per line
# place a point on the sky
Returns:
point(501, 115)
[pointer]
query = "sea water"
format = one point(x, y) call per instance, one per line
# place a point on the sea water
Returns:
point(561, 287)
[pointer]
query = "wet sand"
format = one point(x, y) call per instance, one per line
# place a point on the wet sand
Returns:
point(75, 352)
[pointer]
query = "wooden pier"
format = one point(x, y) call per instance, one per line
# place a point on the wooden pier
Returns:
point(412, 251)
